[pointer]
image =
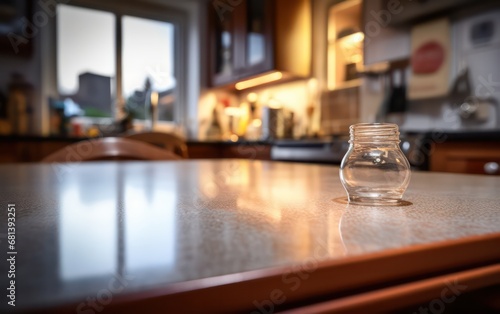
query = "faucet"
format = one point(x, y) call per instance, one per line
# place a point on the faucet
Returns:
point(473, 108)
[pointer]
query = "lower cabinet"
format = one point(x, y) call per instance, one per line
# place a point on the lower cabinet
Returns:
point(8, 152)
point(28, 151)
point(466, 157)
point(12, 151)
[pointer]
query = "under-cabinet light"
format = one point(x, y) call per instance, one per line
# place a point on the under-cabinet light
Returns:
point(264, 79)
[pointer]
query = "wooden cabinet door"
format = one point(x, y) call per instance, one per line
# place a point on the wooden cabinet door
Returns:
point(466, 157)
point(223, 47)
point(252, 152)
point(257, 34)
point(8, 152)
point(241, 42)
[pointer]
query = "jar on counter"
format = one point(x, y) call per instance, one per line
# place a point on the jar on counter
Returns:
point(375, 171)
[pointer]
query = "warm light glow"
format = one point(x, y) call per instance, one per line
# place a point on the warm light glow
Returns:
point(353, 40)
point(352, 47)
point(234, 138)
point(274, 104)
point(312, 85)
point(252, 97)
point(357, 58)
point(259, 81)
point(233, 111)
point(257, 123)
point(357, 37)
point(154, 99)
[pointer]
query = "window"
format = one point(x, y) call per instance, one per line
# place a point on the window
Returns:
point(90, 43)
point(148, 59)
point(87, 59)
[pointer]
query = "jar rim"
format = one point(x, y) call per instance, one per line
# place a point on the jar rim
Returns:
point(374, 132)
point(375, 125)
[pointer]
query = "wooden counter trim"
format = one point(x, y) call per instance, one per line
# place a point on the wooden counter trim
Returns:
point(401, 296)
point(348, 276)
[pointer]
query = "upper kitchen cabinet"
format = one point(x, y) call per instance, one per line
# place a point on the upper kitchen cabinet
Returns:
point(345, 44)
point(254, 42)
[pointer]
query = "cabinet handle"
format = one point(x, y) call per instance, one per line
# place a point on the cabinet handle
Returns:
point(491, 168)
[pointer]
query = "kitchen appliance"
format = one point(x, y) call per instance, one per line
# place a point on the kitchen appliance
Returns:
point(277, 123)
point(476, 50)
point(272, 123)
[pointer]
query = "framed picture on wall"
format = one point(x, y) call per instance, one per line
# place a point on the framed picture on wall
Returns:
point(17, 32)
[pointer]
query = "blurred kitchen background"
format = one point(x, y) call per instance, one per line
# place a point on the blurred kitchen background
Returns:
point(261, 79)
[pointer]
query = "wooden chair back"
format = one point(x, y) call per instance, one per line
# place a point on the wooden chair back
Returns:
point(170, 142)
point(111, 148)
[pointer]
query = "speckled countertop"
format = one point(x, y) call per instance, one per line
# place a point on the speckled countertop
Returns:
point(167, 222)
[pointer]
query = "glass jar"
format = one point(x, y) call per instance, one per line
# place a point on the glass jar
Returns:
point(375, 171)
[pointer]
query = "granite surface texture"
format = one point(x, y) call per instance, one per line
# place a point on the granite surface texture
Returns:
point(155, 223)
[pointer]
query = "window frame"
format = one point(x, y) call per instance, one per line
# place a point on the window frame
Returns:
point(149, 11)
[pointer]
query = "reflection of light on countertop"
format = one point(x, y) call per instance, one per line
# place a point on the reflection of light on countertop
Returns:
point(361, 230)
point(131, 212)
point(86, 227)
point(149, 225)
point(253, 205)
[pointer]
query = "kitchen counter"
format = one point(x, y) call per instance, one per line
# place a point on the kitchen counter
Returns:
point(229, 233)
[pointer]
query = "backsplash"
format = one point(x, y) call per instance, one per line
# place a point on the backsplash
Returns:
point(475, 42)
point(301, 97)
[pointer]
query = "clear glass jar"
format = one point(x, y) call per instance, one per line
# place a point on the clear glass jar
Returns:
point(375, 171)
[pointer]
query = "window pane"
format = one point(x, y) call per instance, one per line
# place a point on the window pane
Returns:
point(148, 65)
point(86, 59)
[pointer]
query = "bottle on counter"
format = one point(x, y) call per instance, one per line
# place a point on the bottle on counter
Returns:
point(273, 126)
point(214, 131)
point(289, 124)
point(243, 120)
point(254, 127)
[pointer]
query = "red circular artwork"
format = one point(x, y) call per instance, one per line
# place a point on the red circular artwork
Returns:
point(428, 58)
